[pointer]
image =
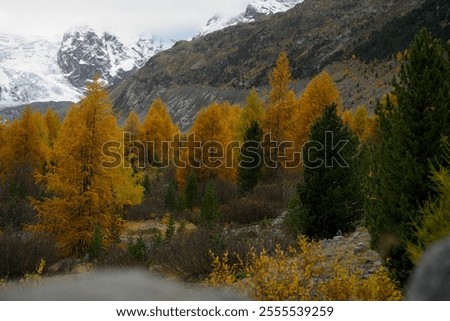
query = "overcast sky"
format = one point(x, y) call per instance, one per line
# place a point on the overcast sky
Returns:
point(176, 19)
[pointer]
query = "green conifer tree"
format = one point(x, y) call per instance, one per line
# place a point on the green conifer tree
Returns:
point(171, 196)
point(170, 229)
point(409, 138)
point(435, 223)
point(96, 246)
point(209, 212)
point(328, 199)
point(191, 191)
point(251, 158)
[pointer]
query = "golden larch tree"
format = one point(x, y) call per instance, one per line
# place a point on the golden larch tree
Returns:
point(253, 111)
point(85, 190)
point(214, 156)
point(25, 151)
point(279, 116)
point(362, 125)
point(157, 132)
point(53, 124)
point(280, 79)
point(133, 151)
point(320, 93)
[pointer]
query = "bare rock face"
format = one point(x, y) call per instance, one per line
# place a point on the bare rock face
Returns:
point(129, 285)
point(84, 52)
point(430, 280)
point(81, 55)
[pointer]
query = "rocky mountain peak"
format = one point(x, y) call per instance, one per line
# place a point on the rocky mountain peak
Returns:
point(84, 52)
point(146, 47)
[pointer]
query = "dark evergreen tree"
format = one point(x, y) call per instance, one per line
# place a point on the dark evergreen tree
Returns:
point(146, 184)
point(191, 191)
point(180, 204)
point(411, 126)
point(170, 229)
point(251, 158)
point(209, 212)
point(96, 247)
point(328, 199)
point(171, 196)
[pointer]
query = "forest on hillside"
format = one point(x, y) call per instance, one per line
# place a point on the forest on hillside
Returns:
point(71, 189)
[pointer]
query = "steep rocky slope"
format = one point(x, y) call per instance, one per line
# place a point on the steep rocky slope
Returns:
point(315, 34)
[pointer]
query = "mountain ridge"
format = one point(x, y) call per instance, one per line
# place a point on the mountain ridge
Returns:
point(37, 69)
point(254, 10)
point(315, 34)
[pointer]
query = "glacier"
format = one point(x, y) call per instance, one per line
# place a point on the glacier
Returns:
point(36, 69)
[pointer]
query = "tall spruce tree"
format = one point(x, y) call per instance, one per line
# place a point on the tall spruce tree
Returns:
point(409, 139)
point(209, 213)
point(251, 158)
point(191, 191)
point(328, 198)
point(171, 196)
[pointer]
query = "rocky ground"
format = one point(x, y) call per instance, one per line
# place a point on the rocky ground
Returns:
point(352, 250)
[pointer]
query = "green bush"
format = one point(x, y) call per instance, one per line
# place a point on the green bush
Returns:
point(138, 249)
point(435, 223)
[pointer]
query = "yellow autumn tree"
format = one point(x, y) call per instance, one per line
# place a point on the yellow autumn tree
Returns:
point(362, 125)
point(157, 132)
point(53, 124)
point(347, 117)
point(25, 151)
point(279, 116)
point(133, 151)
point(280, 79)
point(320, 93)
point(85, 186)
point(213, 156)
point(253, 110)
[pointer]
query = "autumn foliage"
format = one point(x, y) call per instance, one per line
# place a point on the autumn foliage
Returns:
point(320, 93)
point(299, 274)
point(156, 133)
point(210, 153)
point(81, 193)
point(78, 189)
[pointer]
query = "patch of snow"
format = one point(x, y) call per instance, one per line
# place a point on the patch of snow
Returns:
point(29, 70)
point(29, 73)
point(258, 7)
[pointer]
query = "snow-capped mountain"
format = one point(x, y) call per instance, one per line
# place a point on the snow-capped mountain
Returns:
point(255, 9)
point(29, 72)
point(84, 52)
point(34, 69)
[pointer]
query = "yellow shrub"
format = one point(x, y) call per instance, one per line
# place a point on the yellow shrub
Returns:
point(36, 276)
point(224, 272)
point(301, 274)
point(3, 283)
point(345, 286)
point(286, 276)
